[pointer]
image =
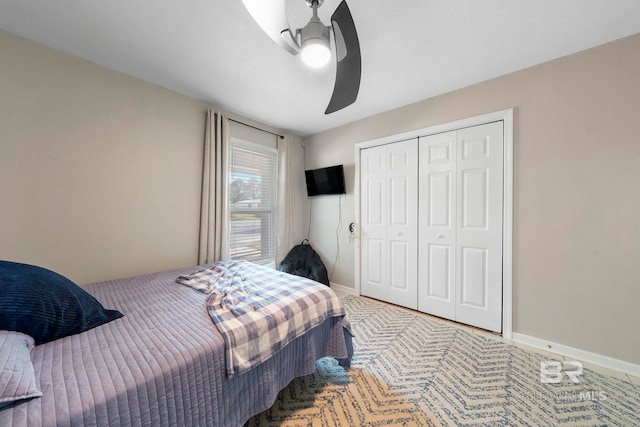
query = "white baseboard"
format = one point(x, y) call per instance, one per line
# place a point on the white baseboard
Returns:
point(342, 288)
point(578, 354)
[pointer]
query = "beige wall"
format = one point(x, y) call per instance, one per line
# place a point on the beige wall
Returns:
point(577, 203)
point(100, 173)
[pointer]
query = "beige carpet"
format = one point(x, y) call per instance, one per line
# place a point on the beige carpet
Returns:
point(411, 369)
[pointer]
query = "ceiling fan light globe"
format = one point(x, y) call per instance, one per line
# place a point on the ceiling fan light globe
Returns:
point(314, 38)
point(315, 53)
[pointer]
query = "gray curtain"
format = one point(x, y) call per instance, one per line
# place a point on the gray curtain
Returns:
point(213, 240)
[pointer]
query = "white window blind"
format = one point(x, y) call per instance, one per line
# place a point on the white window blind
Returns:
point(252, 200)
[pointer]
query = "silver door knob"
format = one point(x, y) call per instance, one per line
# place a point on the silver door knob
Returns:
point(440, 236)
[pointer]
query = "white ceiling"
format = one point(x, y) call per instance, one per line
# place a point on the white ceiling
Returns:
point(212, 50)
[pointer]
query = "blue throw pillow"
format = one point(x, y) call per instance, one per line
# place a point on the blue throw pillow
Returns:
point(46, 305)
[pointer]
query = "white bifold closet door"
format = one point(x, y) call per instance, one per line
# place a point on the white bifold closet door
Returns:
point(460, 215)
point(389, 222)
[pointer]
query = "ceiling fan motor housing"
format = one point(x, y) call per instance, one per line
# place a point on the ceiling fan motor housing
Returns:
point(314, 32)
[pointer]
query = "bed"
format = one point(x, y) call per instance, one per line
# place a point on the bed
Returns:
point(162, 363)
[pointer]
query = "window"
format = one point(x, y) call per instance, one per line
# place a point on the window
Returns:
point(252, 202)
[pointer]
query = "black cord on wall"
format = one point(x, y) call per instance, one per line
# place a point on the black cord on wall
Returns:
point(337, 236)
point(310, 210)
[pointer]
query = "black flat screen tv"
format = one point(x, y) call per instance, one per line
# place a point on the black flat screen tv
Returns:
point(323, 181)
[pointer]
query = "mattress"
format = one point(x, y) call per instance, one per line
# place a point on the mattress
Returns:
point(162, 364)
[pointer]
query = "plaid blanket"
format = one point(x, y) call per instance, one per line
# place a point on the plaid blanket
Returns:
point(258, 310)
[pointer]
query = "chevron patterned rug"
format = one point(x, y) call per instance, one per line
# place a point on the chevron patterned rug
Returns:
point(411, 369)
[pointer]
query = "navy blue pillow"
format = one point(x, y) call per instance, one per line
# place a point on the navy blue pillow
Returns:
point(46, 305)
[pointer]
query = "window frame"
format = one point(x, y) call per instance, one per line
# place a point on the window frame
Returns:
point(252, 147)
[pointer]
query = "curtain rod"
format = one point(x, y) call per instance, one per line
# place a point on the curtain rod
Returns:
point(257, 128)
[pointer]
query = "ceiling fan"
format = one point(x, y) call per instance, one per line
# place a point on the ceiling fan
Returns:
point(313, 43)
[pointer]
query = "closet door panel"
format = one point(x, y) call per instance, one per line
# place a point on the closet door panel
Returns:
point(438, 267)
point(479, 222)
point(439, 193)
point(373, 232)
point(437, 206)
point(474, 198)
point(402, 228)
point(375, 255)
point(399, 265)
point(389, 212)
point(473, 263)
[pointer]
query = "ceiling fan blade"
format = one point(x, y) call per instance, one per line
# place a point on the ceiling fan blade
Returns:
point(349, 66)
point(271, 15)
